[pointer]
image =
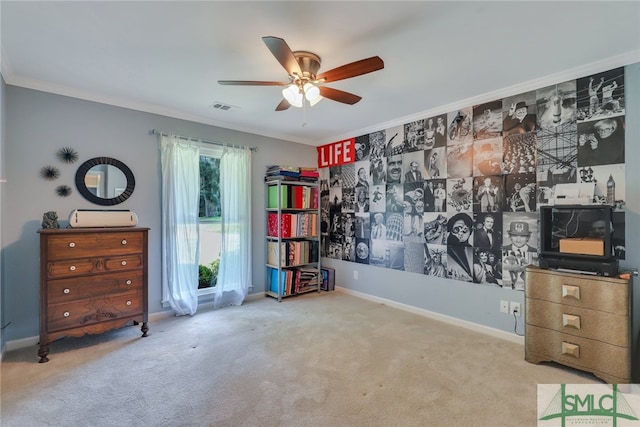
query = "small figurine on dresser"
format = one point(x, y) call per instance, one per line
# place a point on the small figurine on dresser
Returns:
point(50, 220)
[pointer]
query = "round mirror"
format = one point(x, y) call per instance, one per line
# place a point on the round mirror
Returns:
point(105, 181)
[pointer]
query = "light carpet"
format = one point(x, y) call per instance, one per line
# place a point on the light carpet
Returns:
point(320, 359)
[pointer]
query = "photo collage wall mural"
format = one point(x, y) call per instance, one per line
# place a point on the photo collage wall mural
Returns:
point(456, 195)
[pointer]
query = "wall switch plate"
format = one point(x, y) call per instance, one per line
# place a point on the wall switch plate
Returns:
point(515, 308)
point(355, 274)
point(504, 307)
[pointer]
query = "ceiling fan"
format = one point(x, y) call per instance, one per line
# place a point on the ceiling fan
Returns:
point(304, 82)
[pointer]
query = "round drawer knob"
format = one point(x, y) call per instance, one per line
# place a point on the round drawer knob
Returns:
point(128, 282)
point(128, 302)
point(124, 263)
point(72, 245)
point(124, 241)
point(66, 290)
point(72, 268)
point(66, 314)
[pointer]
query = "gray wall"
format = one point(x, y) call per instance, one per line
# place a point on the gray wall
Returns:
point(42, 123)
point(3, 128)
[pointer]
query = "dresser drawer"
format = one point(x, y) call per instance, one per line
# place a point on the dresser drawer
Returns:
point(70, 246)
point(578, 352)
point(597, 292)
point(598, 325)
point(88, 311)
point(83, 267)
point(67, 290)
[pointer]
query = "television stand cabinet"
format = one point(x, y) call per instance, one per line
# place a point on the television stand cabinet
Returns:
point(581, 321)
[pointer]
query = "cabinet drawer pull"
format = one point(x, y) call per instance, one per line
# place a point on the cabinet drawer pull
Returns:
point(72, 268)
point(570, 320)
point(66, 314)
point(124, 263)
point(129, 302)
point(128, 282)
point(124, 241)
point(66, 290)
point(72, 245)
point(570, 291)
point(571, 349)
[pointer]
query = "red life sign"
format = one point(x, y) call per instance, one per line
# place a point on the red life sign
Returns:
point(337, 153)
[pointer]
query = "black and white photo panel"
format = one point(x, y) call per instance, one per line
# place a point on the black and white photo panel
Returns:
point(363, 226)
point(609, 182)
point(618, 234)
point(487, 120)
point(441, 131)
point(487, 157)
point(484, 267)
point(435, 260)
point(378, 170)
point(601, 142)
point(435, 161)
point(362, 251)
point(348, 172)
point(520, 247)
point(349, 249)
point(378, 198)
point(335, 199)
point(601, 95)
point(460, 195)
point(488, 193)
point(394, 169)
point(519, 153)
point(556, 105)
point(394, 141)
point(335, 176)
point(460, 229)
point(413, 168)
point(487, 232)
point(362, 147)
point(395, 225)
point(395, 198)
point(348, 200)
point(459, 263)
point(377, 144)
point(519, 114)
point(361, 204)
point(460, 126)
point(413, 208)
point(557, 159)
point(520, 193)
point(460, 160)
point(363, 175)
point(414, 136)
point(439, 194)
point(414, 255)
point(435, 228)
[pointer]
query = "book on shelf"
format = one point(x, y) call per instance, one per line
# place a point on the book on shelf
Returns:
point(273, 197)
point(328, 279)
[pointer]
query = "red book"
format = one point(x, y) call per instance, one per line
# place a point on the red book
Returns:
point(285, 227)
point(272, 224)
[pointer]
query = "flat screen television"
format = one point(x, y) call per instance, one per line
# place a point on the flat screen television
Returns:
point(563, 228)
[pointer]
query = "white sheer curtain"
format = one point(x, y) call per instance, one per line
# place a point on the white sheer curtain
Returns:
point(234, 276)
point(180, 240)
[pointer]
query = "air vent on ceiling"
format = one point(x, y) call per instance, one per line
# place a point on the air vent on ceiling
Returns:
point(222, 106)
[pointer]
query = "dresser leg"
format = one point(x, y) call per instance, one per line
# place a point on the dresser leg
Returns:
point(144, 329)
point(43, 351)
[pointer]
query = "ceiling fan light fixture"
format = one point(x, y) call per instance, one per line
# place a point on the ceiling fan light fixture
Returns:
point(311, 92)
point(292, 94)
point(315, 100)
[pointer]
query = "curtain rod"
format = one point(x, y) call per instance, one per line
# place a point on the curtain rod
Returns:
point(188, 138)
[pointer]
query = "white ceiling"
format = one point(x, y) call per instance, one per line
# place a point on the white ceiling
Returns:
point(166, 57)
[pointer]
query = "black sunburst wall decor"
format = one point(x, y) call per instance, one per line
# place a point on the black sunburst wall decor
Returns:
point(67, 155)
point(50, 172)
point(63, 190)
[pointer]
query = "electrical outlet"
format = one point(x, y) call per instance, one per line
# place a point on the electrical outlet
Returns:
point(355, 274)
point(504, 307)
point(514, 308)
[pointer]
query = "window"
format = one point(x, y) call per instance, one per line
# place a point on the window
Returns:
point(209, 224)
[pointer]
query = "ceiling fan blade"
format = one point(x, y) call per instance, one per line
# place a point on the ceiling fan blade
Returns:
point(353, 69)
point(339, 95)
point(280, 49)
point(284, 104)
point(250, 83)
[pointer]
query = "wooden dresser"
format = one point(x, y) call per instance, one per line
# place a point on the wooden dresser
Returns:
point(580, 321)
point(91, 280)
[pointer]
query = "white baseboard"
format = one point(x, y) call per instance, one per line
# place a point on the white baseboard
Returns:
point(497, 333)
